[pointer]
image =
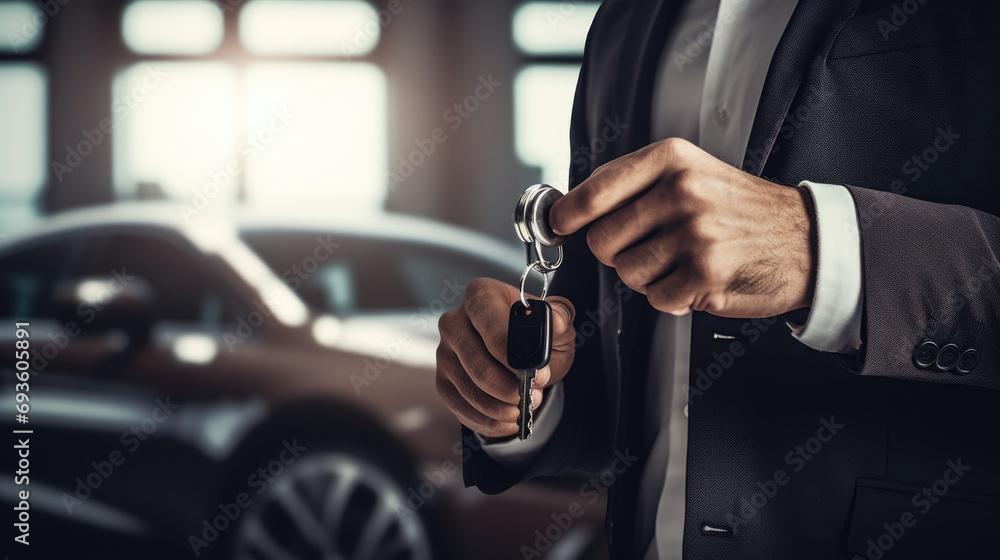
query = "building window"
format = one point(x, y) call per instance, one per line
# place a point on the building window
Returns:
point(23, 98)
point(291, 115)
point(551, 36)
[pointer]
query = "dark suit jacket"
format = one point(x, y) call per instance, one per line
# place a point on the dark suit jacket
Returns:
point(902, 100)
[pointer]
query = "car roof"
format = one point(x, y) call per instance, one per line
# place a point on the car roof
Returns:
point(168, 215)
point(387, 226)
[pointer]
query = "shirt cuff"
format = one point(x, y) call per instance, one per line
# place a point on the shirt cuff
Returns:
point(834, 322)
point(517, 454)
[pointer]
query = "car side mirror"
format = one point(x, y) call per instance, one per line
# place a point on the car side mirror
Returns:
point(100, 305)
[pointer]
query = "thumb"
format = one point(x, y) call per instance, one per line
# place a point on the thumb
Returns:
point(563, 314)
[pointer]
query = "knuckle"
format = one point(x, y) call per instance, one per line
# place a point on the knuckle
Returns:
point(442, 384)
point(590, 201)
point(498, 339)
point(494, 427)
point(599, 239)
point(482, 373)
point(476, 286)
point(703, 268)
point(630, 275)
point(672, 147)
point(663, 299)
point(447, 323)
point(684, 185)
point(500, 411)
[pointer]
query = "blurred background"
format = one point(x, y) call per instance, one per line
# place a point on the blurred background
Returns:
point(227, 230)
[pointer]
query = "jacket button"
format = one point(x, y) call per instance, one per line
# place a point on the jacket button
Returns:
point(968, 362)
point(947, 357)
point(925, 354)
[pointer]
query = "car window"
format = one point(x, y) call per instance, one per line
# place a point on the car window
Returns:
point(365, 275)
point(185, 287)
point(28, 278)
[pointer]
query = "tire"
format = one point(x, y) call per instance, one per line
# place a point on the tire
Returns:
point(334, 502)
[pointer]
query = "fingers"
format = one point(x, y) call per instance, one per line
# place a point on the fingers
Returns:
point(630, 224)
point(617, 182)
point(450, 367)
point(674, 293)
point(471, 417)
point(563, 313)
point(472, 374)
point(474, 359)
point(649, 261)
point(487, 305)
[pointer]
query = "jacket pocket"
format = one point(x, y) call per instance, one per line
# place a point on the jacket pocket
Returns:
point(900, 25)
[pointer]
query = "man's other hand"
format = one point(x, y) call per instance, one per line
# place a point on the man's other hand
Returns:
point(694, 233)
point(472, 374)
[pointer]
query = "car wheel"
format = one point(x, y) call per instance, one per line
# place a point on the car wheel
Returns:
point(332, 505)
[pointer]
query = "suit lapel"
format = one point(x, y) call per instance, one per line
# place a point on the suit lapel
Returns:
point(809, 34)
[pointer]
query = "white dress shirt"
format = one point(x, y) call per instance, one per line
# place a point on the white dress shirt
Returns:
point(708, 86)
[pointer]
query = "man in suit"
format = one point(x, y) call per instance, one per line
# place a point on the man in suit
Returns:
point(777, 326)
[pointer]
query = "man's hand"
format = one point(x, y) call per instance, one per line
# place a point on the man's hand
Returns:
point(694, 233)
point(472, 373)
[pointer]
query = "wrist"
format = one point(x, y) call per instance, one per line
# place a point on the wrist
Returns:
point(803, 250)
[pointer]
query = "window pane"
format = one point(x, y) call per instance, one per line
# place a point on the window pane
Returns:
point(22, 143)
point(309, 27)
point(543, 102)
point(21, 26)
point(180, 27)
point(175, 126)
point(553, 27)
point(321, 133)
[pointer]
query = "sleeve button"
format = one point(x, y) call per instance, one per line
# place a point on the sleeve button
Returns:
point(968, 362)
point(925, 354)
point(947, 357)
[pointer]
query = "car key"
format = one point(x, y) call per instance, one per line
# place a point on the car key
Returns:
point(529, 347)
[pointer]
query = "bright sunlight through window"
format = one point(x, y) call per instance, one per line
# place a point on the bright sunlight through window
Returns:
point(303, 27)
point(175, 126)
point(553, 28)
point(543, 102)
point(333, 149)
point(164, 27)
point(21, 26)
point(22, 143)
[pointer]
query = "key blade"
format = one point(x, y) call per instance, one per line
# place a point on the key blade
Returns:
point(526, 382)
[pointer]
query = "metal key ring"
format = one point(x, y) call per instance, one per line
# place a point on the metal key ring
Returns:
point(543, 265)
point(545, 284)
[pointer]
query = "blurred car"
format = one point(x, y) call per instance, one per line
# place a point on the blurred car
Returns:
point(192, 395)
